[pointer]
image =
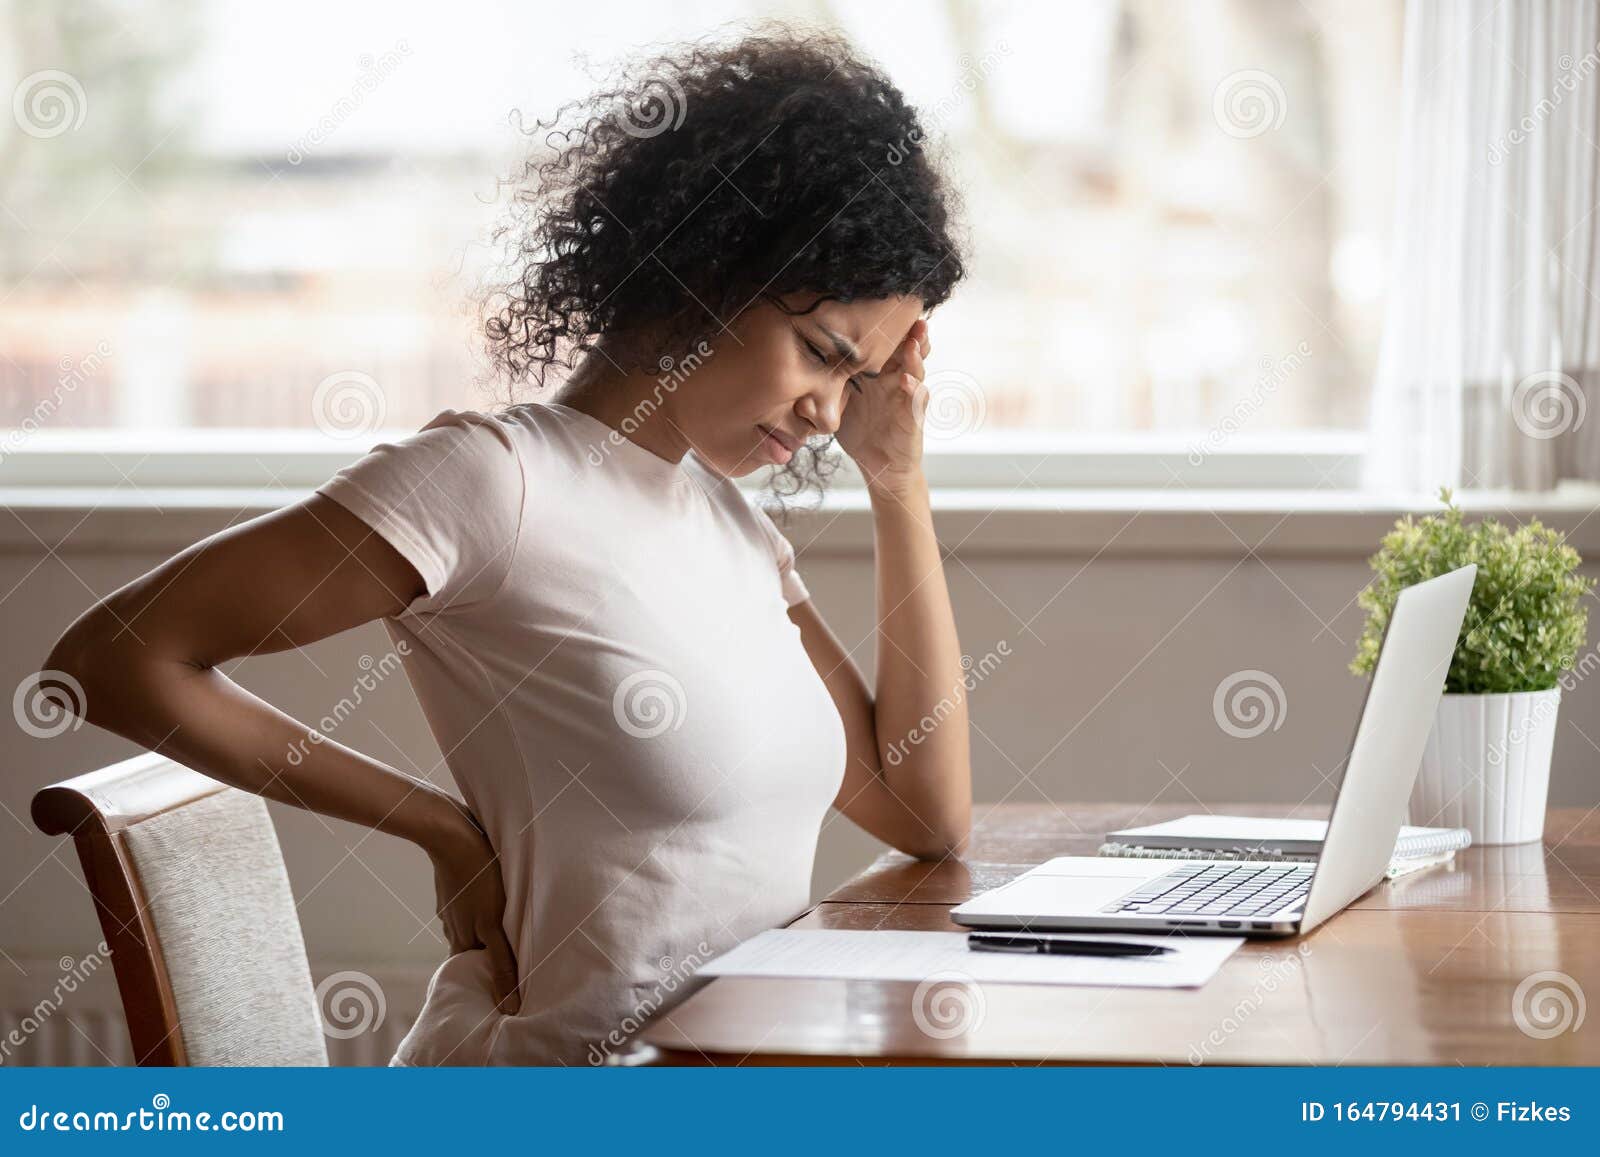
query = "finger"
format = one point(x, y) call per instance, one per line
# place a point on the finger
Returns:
point(911, 360)
point(503, 968)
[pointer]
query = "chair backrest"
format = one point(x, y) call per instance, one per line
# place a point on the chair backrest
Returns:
point(190, 888)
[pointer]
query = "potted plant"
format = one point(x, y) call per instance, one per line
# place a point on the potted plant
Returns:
point(1487, 764)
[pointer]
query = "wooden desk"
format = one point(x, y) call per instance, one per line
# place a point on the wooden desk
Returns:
point(1422, 970)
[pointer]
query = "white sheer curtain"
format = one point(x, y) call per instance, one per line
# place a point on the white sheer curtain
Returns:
point(1489, 370)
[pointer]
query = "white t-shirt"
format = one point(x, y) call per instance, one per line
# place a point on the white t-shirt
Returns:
point(604, 657)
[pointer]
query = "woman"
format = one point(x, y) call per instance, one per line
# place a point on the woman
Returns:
point(647, 717)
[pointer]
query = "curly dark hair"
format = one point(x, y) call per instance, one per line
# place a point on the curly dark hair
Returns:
point(707, 176)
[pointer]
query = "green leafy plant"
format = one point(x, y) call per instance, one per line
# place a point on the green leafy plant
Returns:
point(1526, 621)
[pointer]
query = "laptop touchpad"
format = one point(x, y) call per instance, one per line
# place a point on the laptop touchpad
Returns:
point(1045, 895)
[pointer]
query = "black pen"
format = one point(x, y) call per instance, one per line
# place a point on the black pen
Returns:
point(1059, 945)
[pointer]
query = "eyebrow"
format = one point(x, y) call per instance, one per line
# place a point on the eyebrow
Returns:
point(845, 348)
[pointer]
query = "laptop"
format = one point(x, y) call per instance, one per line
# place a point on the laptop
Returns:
point(1263, 897)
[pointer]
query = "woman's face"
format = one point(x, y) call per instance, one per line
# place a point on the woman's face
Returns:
point(774, 379)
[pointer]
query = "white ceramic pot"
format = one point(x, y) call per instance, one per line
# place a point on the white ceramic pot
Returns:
point(1487, 766)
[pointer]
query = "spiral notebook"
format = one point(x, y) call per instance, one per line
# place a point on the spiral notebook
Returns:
point(1209, 837)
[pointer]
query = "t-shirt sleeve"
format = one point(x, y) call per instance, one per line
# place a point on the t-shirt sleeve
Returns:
point(794, 589)
point(449, 499)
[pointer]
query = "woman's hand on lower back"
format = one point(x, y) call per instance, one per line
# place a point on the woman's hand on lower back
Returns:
point(471, 899)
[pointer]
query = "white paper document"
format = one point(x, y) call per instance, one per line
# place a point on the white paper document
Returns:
point(837, 954)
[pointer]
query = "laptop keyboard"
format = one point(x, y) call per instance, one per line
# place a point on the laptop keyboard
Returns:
point(1254, 889)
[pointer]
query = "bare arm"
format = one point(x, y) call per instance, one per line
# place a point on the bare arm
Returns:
point(907, 784)
point(908, 776)
point(147, 660)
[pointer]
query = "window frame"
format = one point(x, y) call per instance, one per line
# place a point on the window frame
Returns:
point(998, 462)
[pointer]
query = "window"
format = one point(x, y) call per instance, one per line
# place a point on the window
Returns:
point(271, 217)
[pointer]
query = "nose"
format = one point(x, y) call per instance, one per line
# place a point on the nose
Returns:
point(823, 409)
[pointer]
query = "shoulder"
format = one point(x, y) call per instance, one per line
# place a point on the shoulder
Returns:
point(747, 517)
point(558, 444)
point(450, 498)
point(456, 451)
point(527, 443)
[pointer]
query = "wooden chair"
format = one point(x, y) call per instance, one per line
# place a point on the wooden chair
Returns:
point(189, 884)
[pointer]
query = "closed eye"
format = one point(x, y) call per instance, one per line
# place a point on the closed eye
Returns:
point(822, 358)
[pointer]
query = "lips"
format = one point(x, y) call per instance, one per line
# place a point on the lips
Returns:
point(788, 441)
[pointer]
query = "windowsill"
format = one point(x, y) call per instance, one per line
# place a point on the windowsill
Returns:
point(1017, 522)
point(1005, 460)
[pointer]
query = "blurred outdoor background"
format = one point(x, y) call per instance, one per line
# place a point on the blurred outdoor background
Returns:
point(208, 207)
